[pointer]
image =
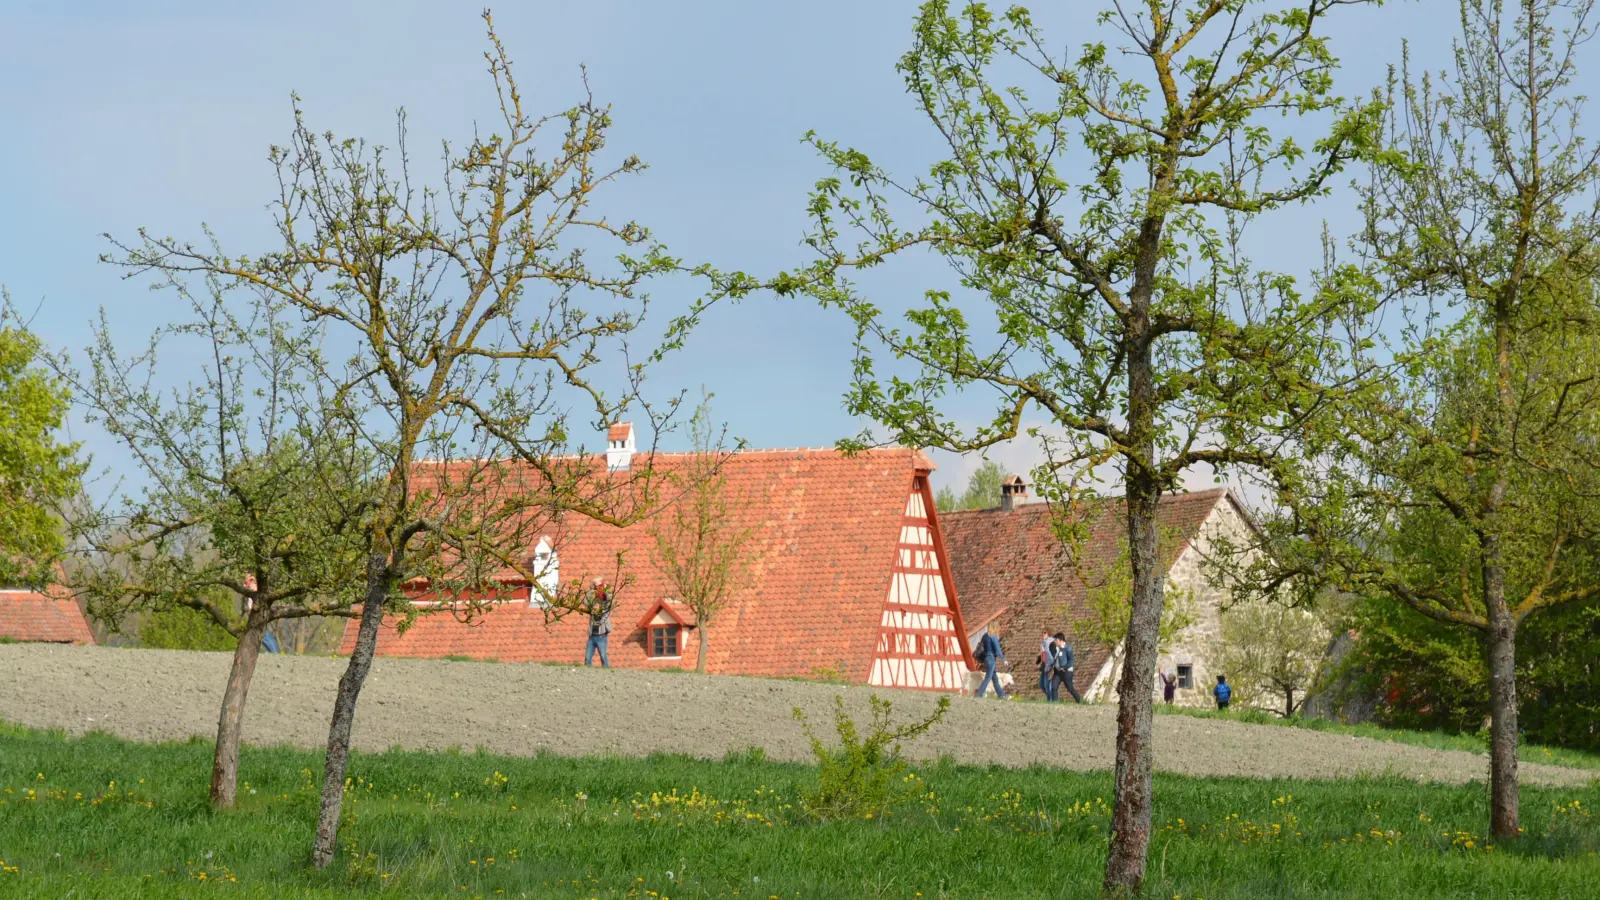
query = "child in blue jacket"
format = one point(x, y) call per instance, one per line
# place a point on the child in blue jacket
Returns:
point(1222, 692)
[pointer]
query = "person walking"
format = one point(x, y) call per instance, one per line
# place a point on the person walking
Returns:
point(1169, 686)
point(599, 625)
point(1047, 666)
point(1222, 692)
point(1065, 668)
point(990, 655)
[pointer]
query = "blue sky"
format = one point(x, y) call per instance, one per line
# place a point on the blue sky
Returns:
point(160, 114)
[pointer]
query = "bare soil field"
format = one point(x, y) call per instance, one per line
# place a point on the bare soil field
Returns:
point(160, 695)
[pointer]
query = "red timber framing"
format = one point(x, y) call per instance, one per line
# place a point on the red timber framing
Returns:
point(922, 641)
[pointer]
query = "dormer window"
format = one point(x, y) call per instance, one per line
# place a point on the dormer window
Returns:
point(546, 566)
point(663, 625)
point(664, 641)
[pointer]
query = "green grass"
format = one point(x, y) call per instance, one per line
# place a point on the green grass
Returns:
point(108, 818)
point(1436, 740)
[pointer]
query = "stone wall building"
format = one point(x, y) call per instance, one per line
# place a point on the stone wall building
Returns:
point(1013, 572)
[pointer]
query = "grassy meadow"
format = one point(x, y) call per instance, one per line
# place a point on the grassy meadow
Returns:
point(1433, 740)
point(99, 817)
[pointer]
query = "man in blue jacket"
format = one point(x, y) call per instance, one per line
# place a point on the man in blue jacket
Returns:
point(990, 655)
point(1065, 669)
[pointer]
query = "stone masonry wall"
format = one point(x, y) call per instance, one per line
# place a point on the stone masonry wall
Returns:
point(1194, 645)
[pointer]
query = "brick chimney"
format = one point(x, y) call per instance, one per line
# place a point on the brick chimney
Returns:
point(619, 447)
point(1013, 491)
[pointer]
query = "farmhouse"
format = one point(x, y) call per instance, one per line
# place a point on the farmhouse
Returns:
point(847, 580)
point(47, 616)
point(1012, 571)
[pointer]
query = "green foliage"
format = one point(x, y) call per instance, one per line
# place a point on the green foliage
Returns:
point(1436, 740)
point(433, 822)
point(1271, 654)
point(183, 628)
point(1109, 592)
point(38, 473)
point(1090, 203)
point(750, 756)
point(1091, 217)
point(1465, 482)
point(983, 490)
point(1429, 675)
point(864, 776)
point(1560, 682)
point(832, 673)
point(1424, 674)
point(255, 490)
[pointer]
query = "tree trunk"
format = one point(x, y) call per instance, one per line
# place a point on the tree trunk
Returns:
point(700, 664)
point(344, 710)
point(1288, 703)
point(230, 724)
point(1132, 794)
point(1504, 817)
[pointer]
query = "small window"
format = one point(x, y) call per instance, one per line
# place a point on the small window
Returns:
point(546, 565)
point(1186, 676)
point(664, 640)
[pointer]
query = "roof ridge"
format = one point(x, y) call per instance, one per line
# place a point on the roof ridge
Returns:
point(746, 451)
point(1046, 504)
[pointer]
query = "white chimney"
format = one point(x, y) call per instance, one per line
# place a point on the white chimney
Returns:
point(619, 447)
point(1012, 492)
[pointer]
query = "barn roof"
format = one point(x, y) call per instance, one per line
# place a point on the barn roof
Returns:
point(1011, 565)
point(48, 616)
point(825, 528)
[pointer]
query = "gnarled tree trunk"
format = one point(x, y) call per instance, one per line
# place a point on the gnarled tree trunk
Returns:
point(1504, 814)
point(1132, 792)
point(344, 710)
point(230, 724)
point(1132, 801)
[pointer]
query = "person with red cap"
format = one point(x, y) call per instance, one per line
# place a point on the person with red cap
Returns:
point(599, 625)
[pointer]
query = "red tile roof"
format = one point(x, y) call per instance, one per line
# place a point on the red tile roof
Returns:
point(619, 432)
point(1013, 564)
point(49, 616)
point(826, 530)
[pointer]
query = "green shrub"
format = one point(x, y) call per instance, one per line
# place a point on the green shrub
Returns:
point(832, 674)
point(182, 628)
point(862, 778)
point(1573, 832)
point(749, 756)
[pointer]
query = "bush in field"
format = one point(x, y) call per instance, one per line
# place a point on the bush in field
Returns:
point(182, 628)
point(863, 777)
